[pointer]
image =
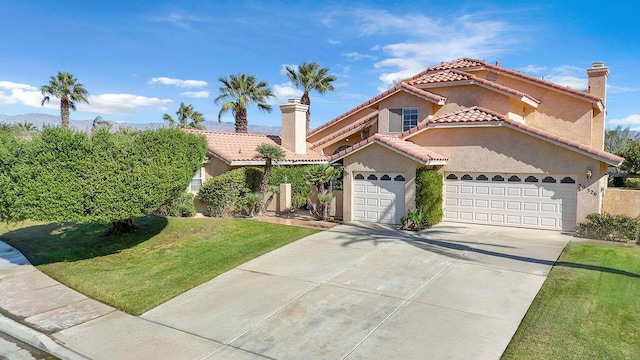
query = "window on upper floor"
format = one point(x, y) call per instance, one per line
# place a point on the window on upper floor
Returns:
point(402, 119)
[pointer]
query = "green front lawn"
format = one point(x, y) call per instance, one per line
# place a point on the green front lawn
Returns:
point(588, 308)
point(138, 271)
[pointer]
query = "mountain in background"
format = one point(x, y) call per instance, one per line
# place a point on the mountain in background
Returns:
point(39, 120)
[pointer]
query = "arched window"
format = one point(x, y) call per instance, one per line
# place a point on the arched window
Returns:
point(372, 177)
point(399, 178)
point(452, 177)
point(359, 177)
point(531, 179)
point(466, 177)
point(385, 177)
point(340, 148)
point(549, 179)
point(482, 178)
point(497, 178)
point(567, 180)
point(514, 179)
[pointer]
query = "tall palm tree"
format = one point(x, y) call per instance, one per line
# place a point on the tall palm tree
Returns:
point(310, 77)
point(237, 93)
point(269, 153)
point(65, 87)
point(184, 113)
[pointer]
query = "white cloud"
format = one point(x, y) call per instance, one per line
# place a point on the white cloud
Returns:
point(432, 41)
point(285, 91)
point(334, 42)
point(283, 68)
point(631, 120)
point(568, 75)
point(121, 103)
point(179, 20)
point(178, 82)
point(614, 89)
point(533, 69)
point(196, 94)
point(356, 56)
point(14, 93)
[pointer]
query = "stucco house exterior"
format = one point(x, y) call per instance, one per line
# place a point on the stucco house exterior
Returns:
point(514, 150)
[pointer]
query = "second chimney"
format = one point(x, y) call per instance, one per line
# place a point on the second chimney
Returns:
point(598, 80)
point(294, 126)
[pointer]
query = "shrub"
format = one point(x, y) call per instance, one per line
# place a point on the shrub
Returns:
point(633, 183)
point(609, 227)
point(182, 206)
point(429, 196)
point(300, 190)
point(252, 200)
point(225, 193)
point(414, 220)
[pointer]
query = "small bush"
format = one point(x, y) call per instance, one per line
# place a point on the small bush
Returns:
point(252, 199)
point(414, 220)
point(182, 206)
point(609, 227)
point(632, 183)
point(225, 194)
point(428, 196)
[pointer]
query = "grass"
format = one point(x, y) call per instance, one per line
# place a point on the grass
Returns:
point(138, 271)
point(588, 308)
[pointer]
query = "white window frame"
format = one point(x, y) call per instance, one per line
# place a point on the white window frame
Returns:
point(198, 176)
point(409, 118)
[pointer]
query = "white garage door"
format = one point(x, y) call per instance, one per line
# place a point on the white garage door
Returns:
point(378, 197)
point(539, 201)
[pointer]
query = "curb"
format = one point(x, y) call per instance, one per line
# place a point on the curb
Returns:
point(37, 339)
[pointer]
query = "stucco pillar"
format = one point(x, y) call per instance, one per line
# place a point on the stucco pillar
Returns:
point(285, 199)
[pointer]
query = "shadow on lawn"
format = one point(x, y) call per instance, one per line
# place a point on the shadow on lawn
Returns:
point(435, 240)
point(52, 243)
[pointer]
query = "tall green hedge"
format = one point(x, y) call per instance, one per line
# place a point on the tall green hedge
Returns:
point(429, 195)
point(225, 194)
point(300, 189)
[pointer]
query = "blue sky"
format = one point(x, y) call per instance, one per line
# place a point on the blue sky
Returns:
point(140, 59)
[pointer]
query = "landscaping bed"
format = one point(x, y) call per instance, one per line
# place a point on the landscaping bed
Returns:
point(588, 308)
point(138, 271)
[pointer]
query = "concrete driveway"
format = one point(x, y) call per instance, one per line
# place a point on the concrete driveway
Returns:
point(366, 291)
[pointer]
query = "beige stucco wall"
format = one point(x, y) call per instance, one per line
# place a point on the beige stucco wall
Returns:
point(557, 113)
point(346, 122)
point(504, 150)
point(376, 158)
point(399, 101)
point(622, 202)
point(467, 96)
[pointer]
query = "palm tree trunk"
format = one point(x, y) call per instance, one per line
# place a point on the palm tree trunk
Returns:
point(306, 100)
point(64, 113)
point(241, 120)
point(264, 184)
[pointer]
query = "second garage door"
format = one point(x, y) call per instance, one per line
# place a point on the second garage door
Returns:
point(541, 201)
point(378, 197)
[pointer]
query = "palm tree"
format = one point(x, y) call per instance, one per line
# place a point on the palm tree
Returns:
point(269, 153)
point(65, 87)
point(184, 113)
point(26, 127)
point(322, 176)
point(100, 123)
point(240, 91)
point(308, 77)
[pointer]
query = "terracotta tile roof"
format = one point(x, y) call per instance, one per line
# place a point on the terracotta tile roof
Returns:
point(235, 148)
point(477, 114)
point(406, 148)
point(474, 64)
point(400, 87)
point(446, 76)
point(360, 123)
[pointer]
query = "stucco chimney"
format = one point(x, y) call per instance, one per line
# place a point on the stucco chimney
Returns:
point(294, 126)
point(598, 87)
point(598, 79)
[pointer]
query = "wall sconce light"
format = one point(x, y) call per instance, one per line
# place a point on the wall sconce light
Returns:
point(589, 173)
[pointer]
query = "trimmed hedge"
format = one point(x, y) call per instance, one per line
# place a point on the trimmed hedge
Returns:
point(300, 189)
point(632, 183)
point(609, 227)
point(225, 194)
point(429, 195)
point(182, 206)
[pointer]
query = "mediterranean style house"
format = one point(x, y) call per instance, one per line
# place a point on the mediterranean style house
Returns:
point(514, 150)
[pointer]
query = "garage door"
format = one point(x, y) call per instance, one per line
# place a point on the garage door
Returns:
point(541, 201)
point(378, 197)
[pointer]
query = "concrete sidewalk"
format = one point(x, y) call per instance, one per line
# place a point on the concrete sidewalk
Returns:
point(359, 291)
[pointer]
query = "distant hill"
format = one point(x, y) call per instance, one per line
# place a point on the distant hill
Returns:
point(39, 120)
